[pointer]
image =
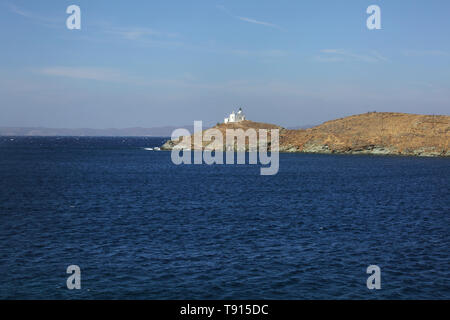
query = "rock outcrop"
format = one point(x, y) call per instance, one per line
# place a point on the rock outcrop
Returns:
point(379, 133)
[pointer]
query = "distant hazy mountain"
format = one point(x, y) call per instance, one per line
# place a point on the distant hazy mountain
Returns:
point(127, 132)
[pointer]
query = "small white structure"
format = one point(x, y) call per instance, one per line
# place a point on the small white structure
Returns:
point(235, 117)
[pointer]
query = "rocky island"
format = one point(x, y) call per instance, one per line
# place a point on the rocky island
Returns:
point(381, 133)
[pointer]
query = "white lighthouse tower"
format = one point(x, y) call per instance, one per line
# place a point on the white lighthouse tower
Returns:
point(235, 117)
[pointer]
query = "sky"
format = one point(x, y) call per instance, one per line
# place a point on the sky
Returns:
point(157, 63)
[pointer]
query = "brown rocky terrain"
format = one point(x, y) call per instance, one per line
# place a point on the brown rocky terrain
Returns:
point(370, 133)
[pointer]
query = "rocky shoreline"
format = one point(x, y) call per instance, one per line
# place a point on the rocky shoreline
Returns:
point(369, 134)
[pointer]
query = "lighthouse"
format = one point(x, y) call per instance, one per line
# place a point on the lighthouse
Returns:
point(235, 117)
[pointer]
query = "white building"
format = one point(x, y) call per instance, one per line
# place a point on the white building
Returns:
point(235, 117)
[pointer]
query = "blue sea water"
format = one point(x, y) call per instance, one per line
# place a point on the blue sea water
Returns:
point(141, 227)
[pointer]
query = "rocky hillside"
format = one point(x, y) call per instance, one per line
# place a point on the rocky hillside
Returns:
point(222, 127)
point(369, 133)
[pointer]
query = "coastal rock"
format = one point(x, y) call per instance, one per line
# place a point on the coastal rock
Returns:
point(376, 133)
point(316, 148)
point(168, 145)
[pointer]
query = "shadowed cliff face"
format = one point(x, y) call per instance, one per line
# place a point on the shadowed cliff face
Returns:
point(369, 133)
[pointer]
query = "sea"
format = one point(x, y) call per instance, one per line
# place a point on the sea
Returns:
point(140, 227)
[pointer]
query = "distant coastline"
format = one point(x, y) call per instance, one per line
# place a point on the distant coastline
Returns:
point(165, 131)
point(379, 133)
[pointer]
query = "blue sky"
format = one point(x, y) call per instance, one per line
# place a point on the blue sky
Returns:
point(156, 63)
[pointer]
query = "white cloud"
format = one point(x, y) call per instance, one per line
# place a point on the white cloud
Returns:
point(267, 24)
point(87, 73)
point(21, 12)
point(334, 55)
point(327, 59)
point(146, 36)
point(249, 20)
point(262, 54)
point(140, 33)
point(380, 57)
point(423, 53)
point(49, 22)
point(114, 75)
